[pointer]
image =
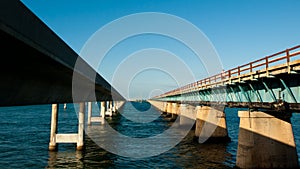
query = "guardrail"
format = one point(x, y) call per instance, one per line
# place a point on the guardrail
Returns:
point(283, 57)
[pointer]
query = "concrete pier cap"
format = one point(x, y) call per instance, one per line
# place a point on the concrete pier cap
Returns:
point(266, 140)
point(211, 124)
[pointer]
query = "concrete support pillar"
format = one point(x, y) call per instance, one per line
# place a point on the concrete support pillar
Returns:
point(187, 114)
point(175, 107)
point(103, 106)
point(107, 105)
point(266, 140)
point(81, 112)
point(54, 115)
point(165, 107)
point(70, 137)
point(211, 124)
point(89, 112)
point(109, 109)
point(113, 106)
point(169, 107)
point(110, 105)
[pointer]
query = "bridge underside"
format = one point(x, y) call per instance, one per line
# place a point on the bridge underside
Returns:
point(37, 67)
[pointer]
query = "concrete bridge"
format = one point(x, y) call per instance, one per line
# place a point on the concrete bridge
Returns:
point(37, 67)
point(268, 87)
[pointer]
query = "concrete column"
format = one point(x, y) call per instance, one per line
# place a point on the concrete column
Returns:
point(175, 107)
point(211, 124)
point(54, 115)
point(113, 106)
point(80, 142)
point(187, 114)
point(103, 106)
point(109, 109)
point(266, 140)
point(89, 112)
point(110, 105)
point(169, 109)
point(107, 105)
point(165, 107)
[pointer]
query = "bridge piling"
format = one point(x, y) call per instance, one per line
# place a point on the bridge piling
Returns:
point(77, 138)
point(80, 142)
point(109, 108)
point(211, 124)
point(169, 109)
point(175, 107)
point(89, 113)
point(266, 140)
point(187, 114)
point(165, 108)
point(92, 118)
point(53, 131)
point(103, 109)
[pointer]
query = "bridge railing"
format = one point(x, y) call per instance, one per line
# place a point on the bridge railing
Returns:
point(282, 57)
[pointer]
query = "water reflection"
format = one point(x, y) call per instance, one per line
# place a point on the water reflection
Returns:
point(65, 159)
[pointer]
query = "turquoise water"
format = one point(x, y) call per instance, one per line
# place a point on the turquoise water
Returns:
point(24, 139)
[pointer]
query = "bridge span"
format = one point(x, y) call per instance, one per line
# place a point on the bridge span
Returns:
point(37, 67)
point(268, 87)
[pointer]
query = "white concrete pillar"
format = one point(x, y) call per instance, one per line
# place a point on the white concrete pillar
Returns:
point(211, 124)
point(103, 106)
point(80, 141)
point(109, 110)
point(266, 140)
point(89, 112)
point(117, 105)
point(54, 115)
point(107, 105)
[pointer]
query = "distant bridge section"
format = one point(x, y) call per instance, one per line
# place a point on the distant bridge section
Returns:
point(272, 82)
point(37, 66)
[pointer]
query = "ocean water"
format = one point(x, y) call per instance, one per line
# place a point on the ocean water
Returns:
point(24, 139)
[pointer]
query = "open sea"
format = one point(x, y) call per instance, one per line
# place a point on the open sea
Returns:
point(25, 130)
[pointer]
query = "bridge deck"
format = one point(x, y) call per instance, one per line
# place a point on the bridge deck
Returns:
point(271, 82)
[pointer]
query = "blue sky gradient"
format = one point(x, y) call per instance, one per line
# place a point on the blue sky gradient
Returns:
point(240, 30)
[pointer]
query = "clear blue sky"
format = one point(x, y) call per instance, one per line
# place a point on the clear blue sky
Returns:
point(240, 30)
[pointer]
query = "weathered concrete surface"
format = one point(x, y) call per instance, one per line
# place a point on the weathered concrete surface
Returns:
point(37, 66)
point(187, 114)
point(161, 106)
point(265, 141)
point(211, 124)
